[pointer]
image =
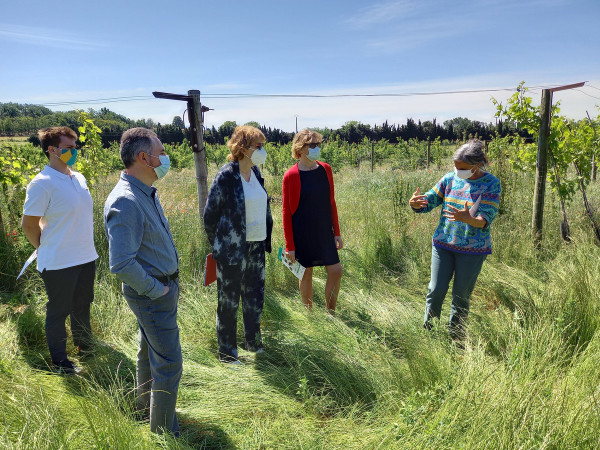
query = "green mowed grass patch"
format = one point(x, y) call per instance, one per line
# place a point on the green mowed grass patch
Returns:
point(13, 139)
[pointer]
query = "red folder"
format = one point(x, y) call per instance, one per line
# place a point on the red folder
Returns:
point(210, 270)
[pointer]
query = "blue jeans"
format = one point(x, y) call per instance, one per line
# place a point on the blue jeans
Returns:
point(159, 361)
point(465, 269)
point(70, 292)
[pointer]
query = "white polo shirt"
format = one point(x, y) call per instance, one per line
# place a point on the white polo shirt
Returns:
point(256, 209)
point(66, 207)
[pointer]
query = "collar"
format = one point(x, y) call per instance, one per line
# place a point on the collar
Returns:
point(148, 190)
point(55, 173)
point(298, 168)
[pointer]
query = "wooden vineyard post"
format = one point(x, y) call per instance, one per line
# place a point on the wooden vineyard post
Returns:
point(195, 113)
point(428, 153)
point(196, 117)
point(372, 155)
point(541, 170)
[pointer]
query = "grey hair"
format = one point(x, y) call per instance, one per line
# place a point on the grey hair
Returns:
point(472, 153)
point(133, 142)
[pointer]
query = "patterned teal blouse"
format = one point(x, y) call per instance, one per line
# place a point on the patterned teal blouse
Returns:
point(459, 236)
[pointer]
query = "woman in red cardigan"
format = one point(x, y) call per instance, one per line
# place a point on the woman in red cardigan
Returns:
point(310, 219)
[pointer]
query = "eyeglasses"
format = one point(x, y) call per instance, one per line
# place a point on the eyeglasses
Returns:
point(258, 146)
point(314, 144)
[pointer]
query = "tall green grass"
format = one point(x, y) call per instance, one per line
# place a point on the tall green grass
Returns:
point(370, 377)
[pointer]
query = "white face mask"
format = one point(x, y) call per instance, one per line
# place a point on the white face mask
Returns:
point(313, 153)
point(259, 156)
point(463, 174)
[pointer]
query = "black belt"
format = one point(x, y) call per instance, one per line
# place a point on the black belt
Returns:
point(165, 280)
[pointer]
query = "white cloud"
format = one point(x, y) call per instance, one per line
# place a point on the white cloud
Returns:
point(48, 37)
point(412, 35)
point(381, 13)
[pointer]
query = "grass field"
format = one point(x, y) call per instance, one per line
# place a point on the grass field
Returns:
point(370, 377)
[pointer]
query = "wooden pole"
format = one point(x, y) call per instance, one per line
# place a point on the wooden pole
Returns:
point(195, 116)
point(428, 153)
point(372, 155)
point(197, 133)
point(537, 219)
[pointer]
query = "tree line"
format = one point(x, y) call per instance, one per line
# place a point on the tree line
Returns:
point(25, 119)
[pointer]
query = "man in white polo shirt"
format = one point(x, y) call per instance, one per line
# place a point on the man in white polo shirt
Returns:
point(58, 221)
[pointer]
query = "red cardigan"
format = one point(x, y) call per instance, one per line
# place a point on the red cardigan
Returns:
point(291, 198)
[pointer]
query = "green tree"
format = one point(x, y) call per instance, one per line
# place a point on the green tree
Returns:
point(178, 122)
point(226, 130)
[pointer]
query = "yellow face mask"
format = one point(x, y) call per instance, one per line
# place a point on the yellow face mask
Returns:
point(68, 155)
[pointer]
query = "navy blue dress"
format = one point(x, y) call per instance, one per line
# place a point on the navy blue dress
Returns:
point(311, 223)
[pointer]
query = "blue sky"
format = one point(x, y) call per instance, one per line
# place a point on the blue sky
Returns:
point(73, 51)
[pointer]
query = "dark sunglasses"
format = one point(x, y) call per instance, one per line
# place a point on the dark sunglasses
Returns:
point(314, 144)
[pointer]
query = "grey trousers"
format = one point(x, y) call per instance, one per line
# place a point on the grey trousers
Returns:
point(159, 361)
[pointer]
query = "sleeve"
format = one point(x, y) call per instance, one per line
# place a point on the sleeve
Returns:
point(123, 222)
point(288, 231)
point(435, 196)
point(488, 208)
point(212, 209)
point(334, 213)
point(37, 200)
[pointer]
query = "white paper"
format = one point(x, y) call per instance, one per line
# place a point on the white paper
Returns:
point(296, 268)
point(28, 262)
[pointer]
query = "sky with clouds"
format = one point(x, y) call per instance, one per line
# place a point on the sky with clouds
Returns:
point(72, 51)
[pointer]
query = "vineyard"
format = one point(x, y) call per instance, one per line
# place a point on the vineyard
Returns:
point(370, 377)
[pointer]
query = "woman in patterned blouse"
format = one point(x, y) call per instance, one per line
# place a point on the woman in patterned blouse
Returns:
point(238, 224)
point(469, 197)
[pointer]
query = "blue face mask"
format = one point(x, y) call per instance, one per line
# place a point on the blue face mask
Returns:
point(165, 165)
point(313, 153)
point(68, 155)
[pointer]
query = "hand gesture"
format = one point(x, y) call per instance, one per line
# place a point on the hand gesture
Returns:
point(455, 214)
point(291, 256)
point(339, 243)
point(418, 201)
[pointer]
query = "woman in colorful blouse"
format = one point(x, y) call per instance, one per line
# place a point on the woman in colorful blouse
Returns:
point(310, 220)
point(469, 197)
